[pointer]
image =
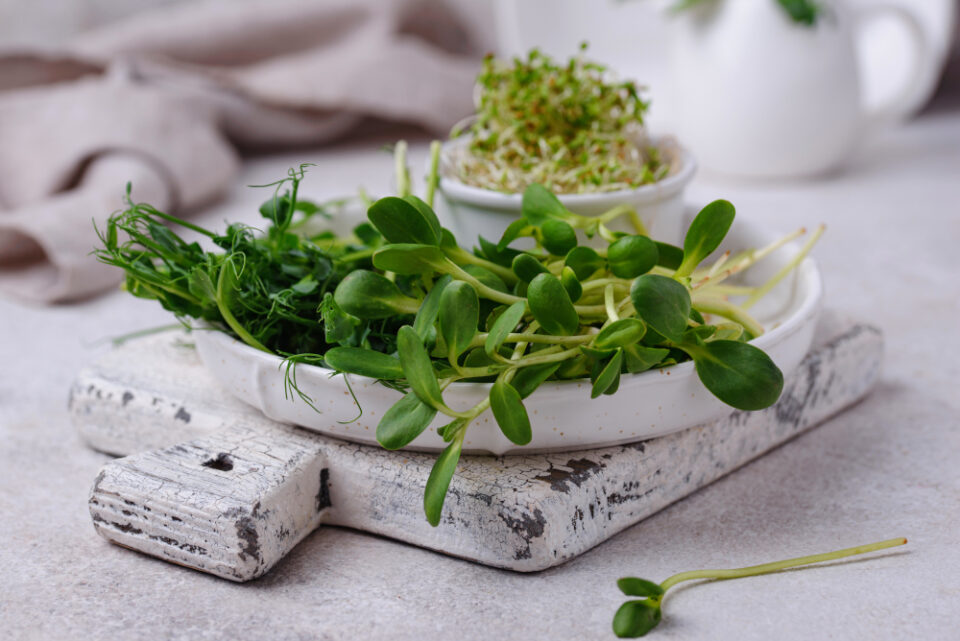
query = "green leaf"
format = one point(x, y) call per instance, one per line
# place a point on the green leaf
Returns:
point(337, 324)
point(277, 210)
point(662, 303)
point(306, 285)
point(401, 221)
point(639, 358)
point(705, 234)
point(502, 257)
point(570, 282)
point(459, 317)
point(428, 214)
point(584, 262)
point(739, 374)
point(448, 431)
point(447, 239)
point(510, 413)
point(409, 259)
point(516, 229)
point(528, 379)
point(486, 277)
point(365, 362)
point(631, 256)
point(370, 295)
point(558, 237)
point(439, 481)
point(417, 367)
point(728, 332)
point(598, 354)
point(368, 234)
point(539, 205)
point(636, 618)
point(669, 256)
point(620, 333)
point(503, 326)
point(632, 586)
point(608, 375)
point(201, 285)
point(526, 267)
point(699, 334)
point(404, 421)
point(427, 314)
point(551, 306)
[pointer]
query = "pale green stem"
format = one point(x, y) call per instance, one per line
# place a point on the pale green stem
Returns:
point(610, 303)
point(603, 282)
point(433, 175)
point(761, 291)
point(525, 337)
point(767, 568)
point(460, 256)
point(720, 307)
point(501, 297)
point(400, 168)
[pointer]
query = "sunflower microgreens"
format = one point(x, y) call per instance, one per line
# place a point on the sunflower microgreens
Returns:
point(568, 127)
point(400, 301)
point(637, 617)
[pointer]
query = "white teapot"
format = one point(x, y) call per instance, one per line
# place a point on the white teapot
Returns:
point(756, 93)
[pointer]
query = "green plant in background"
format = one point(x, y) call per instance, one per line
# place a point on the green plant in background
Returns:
point(637, 617)
point(400, 301)
point(805, 12)
point(566, 126)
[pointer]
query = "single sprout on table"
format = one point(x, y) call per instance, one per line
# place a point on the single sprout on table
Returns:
point(568, 127)
point(638, 617)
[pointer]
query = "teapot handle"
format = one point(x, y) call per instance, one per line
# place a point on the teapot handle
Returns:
point(902, 103)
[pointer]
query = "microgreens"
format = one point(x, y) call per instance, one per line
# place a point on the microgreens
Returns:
point(569, 127)
point(400, 301)
point(637, 617)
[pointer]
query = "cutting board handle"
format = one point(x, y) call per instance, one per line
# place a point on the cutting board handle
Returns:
point(231, 504)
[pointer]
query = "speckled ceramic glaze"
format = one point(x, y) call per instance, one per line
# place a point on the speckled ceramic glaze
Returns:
point(561, 413)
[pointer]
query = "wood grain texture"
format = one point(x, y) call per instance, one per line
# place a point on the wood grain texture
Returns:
point(524, 513)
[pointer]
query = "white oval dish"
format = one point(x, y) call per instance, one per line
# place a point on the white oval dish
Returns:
point(474, 211)
point(561, 413)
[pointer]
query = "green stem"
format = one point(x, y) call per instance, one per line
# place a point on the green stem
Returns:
point(400, 168)
point(228, 316)
point(720, 307)
point(460, 256)
point(610, 303)
point(761, 291)
point(767, 568)
point(433, 175)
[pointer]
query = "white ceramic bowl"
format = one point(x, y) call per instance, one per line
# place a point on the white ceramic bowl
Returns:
point(561, 413)
point(472, 211)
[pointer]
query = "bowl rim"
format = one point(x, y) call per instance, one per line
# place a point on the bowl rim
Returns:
point(809, 306)
point(669, 185)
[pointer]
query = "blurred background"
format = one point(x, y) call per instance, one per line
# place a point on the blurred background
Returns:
point(173, 95)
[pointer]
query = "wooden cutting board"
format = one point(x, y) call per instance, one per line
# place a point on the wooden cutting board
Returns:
point(210, 483)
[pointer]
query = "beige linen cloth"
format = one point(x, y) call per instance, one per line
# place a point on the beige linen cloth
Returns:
point(165, 100)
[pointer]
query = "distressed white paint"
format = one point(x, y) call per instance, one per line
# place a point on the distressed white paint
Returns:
point(524, 513)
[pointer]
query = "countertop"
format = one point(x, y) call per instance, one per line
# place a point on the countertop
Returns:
point(888, 467)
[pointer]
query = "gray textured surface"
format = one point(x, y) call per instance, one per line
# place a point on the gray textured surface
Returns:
point(887, 467)
point(237, 499)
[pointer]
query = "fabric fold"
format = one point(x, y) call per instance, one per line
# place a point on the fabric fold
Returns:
point(170, 96)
